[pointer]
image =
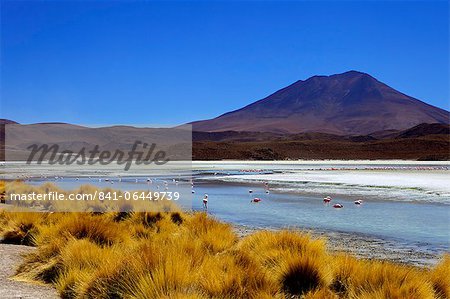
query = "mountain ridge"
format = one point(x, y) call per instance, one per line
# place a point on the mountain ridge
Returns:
point(429, 142)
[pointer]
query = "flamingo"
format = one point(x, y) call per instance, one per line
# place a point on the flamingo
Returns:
point(338, 206)
point(358, 202)
point(327, 200)
point(256, 199)
point(205, 201)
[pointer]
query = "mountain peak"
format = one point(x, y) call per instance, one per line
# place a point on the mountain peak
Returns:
point(347, 74)
point(350, 79)
point(352, 73)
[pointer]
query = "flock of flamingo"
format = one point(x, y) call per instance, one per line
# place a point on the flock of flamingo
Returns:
point(326, 200)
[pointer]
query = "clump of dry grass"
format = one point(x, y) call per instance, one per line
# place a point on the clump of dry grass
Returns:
point(302, 274)
point(440, 278)
point(387, 280)
point(214, 236)
point(91, 271)
point(345, 268)
point(323, 293)
point(172, 254)
point(21, 228)
point(150, 218)
point(176, 218)
point(295, 262)
point(98, 230)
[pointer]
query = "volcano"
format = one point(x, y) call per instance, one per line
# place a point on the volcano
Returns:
point(351, 103)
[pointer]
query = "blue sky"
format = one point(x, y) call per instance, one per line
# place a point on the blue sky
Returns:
point(141, 62)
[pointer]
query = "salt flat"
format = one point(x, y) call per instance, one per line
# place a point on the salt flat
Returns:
point(433, 180)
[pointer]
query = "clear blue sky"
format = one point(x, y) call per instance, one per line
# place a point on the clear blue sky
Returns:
point(137, 62)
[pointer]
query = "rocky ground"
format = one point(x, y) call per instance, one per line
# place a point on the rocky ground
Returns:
point(10, 258)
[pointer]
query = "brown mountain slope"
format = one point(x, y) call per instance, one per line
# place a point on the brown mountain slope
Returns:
point(422, 142)
point(425, 130)
point(423, 148)
point(343, 104)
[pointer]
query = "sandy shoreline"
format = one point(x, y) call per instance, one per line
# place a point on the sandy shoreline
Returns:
point(10, 258)
point(365, 247)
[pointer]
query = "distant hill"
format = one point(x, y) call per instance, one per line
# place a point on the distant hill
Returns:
point(422, 142)
point(176, 142)
point(352, 103)
point(425, 130)
point(4, 121)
